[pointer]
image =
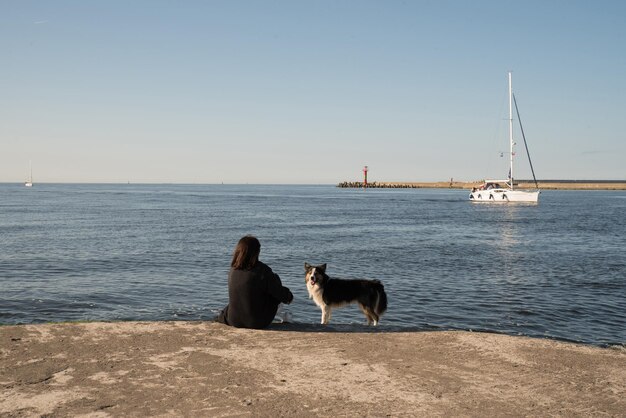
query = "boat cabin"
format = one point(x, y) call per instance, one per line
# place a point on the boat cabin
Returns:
point(492, 184)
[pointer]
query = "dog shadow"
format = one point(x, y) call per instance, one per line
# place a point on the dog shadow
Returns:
point(349, 328)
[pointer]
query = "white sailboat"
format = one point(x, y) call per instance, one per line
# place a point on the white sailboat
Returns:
point(502, 191)
point(29, 182)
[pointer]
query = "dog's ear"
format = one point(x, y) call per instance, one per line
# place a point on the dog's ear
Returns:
point(322, 267)
point(307, 267)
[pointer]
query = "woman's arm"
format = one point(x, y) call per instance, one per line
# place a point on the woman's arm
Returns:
point(275, 287)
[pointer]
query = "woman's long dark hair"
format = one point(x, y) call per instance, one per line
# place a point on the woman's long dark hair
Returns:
point(246, 253)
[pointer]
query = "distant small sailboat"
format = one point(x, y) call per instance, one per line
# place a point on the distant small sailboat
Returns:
point(29, 182)
point(502, 191)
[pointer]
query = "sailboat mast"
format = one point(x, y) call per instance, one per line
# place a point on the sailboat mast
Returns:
point(511, 130)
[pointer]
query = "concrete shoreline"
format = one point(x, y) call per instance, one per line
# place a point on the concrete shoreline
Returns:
point(103, 369)
point(547, 185)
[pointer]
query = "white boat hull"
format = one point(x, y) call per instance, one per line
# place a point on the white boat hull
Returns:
point(505, 196)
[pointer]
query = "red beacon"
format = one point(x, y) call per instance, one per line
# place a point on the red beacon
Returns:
point(365, 176)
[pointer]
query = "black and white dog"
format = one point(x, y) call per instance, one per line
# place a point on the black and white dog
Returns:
point(332, 293)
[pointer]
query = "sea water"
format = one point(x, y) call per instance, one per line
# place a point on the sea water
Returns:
point(162, 252)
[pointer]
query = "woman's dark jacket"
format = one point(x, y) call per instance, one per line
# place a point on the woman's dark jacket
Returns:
point(254, 296)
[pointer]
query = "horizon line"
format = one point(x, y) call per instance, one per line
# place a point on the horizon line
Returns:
point(311, 184)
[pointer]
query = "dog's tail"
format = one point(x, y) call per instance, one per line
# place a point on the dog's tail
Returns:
point(381, 302)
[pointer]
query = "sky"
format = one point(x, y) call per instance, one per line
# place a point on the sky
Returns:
point(309, 92)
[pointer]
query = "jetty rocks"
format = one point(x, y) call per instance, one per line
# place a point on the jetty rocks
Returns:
point(403, 185)
point(522, 184)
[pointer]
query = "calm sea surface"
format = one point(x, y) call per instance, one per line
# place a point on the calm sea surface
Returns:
point(162, 252)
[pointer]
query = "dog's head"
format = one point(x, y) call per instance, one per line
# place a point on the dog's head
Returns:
point(315, 274)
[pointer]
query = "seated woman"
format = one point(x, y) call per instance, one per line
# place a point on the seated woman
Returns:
point(254, 290)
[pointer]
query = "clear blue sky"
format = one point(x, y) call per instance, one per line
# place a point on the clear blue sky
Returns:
point(308, 91)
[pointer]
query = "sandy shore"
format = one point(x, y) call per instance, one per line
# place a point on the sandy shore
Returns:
point(208, 369)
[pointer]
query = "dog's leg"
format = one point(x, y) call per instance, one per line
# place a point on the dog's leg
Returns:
point(325, 314)
point(375, 310)
point(375, 316)
point(377, 304)
point(368, 314)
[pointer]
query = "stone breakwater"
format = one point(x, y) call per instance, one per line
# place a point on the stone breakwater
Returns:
point(403, 185)
point(547, 185)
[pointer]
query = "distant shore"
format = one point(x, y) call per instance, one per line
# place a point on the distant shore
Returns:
point(103, 369)
point(543, 185)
